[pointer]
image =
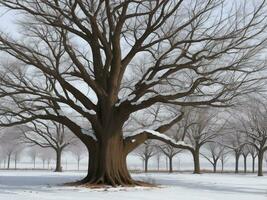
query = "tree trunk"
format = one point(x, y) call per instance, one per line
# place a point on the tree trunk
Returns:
point(260, 161)
point(78, 164)
point(222, 163)
point(43, 164)
point(34, 159)
point(58, 160)
point(253, 164)
point(196, 161)
point(170, 164)
point(146, 165)
point(107, 163)
point(245, 164)
point(215, 167)
point(158, 162)
point(8, 161)
point(236, 162)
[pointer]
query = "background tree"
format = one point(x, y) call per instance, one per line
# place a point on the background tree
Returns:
point(245, 153)
point(46, 155)
point(170, 152)
point(255, 129)
point(145, 152)
point(235, 140)
point(203, 59)
point(253, 153)
point(78, 150)
point(49, 135)
point(10, 144)
point(202, 131)
point(213, 153)
point(33, 152)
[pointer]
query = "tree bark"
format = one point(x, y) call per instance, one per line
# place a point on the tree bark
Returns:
point(107, 163)
point(214, 167)
point(260, 161)
point(195, 154)
point(236, 162)
point(146, 165)
point(170, 164)
point(8, 161)
point(58, 160)
point(245, 164)
point(253, 164)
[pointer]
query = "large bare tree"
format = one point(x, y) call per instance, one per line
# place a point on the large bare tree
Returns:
point(105, 60)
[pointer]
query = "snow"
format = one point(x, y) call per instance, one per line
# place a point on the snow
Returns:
point(44, 185)
point(127, 98)
point(89, 132)
point(158, 134)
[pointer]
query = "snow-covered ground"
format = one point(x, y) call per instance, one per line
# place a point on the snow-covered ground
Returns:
point(44, 185)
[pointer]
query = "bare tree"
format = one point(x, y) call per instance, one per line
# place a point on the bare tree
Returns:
point(170, 152)
point(49, 135)
point(46, 155)
point(145, 152)
point(245, 153)
point(213, 154)
point(204, 130)
point(223, 157)
point(158, 157)
point(33, 152)
point(79, 152)
point(235, 140)
point(203, 59)
point(17, 155)
point(256, 130)
point(253, 153)
point(10, 144)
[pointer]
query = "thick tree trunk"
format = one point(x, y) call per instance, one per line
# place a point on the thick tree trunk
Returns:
point(196, 161)
point(260, 161)
point(58, 161)
point(170, 164)
point(236, 162)
point(107, 163)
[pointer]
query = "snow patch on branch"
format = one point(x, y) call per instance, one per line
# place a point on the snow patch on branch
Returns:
point(90, 133)
point(157, 134)
point(128, 98)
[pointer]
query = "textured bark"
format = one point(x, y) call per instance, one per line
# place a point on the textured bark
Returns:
point(58, 160)
point(260, 162)
point(107, 163)
point(195, 154)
